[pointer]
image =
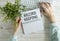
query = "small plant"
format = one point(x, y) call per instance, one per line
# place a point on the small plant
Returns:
point(12, 10)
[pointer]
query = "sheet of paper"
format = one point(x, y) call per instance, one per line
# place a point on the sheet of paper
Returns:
point(31, 21)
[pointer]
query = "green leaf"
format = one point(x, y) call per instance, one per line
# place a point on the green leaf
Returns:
point(12, 10)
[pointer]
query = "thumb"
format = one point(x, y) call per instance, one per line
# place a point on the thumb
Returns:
point(18, 19)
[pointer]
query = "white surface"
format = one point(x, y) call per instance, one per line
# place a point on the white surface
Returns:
point(41, 36)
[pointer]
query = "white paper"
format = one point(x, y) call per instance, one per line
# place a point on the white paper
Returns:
point(32, 22)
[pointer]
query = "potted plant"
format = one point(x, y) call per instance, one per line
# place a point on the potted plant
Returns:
point(12, 11)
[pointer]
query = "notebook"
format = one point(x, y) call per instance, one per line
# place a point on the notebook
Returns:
point(32, 21)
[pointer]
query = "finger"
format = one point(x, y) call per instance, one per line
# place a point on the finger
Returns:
point(49, 4)
point(46, 4)
point(18, 19)
point(43, 6)
point(41, 3)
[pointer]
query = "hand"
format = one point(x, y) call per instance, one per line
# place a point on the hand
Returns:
point(18, 21)
point(46, 10)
